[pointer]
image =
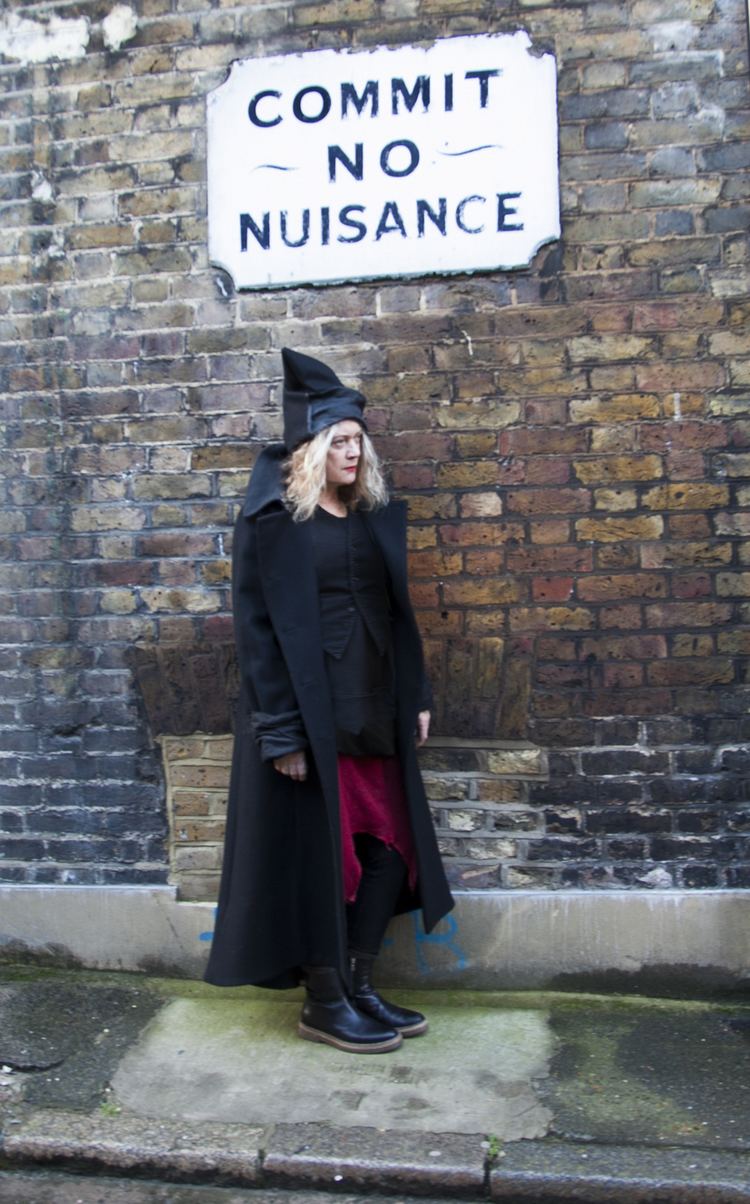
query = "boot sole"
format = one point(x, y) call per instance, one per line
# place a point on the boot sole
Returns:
point(372, 1047)
point(414, 1030)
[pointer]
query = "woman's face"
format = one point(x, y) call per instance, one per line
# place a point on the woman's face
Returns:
point(344, 453)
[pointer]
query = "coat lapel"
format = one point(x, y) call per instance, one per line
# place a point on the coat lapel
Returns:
point(388, 527)
point(291, 591)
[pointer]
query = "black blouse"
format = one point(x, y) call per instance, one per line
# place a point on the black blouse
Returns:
point(355, 622)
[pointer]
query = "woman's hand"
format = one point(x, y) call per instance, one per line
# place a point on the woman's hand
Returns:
point(423, 727)
point(292, 765)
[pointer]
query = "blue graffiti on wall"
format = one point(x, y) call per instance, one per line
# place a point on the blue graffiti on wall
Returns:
point(208, 936)
point(444, 936)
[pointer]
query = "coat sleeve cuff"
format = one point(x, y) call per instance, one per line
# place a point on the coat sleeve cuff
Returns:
point(426, 698)
point(278, 735)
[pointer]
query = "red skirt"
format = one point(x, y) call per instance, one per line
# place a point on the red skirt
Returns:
point(372, 802)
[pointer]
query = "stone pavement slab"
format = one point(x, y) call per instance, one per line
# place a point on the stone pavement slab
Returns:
point(241, 1061)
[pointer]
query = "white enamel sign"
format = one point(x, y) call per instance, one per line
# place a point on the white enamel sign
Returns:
point(350, 165)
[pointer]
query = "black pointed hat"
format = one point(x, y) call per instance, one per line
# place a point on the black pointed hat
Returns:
point(314, 398)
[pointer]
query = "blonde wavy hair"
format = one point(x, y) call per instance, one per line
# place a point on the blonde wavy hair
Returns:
point(305, 476)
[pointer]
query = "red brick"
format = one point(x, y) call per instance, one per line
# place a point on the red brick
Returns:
point(688, 614)
point(685, 465)
point(545, 413)
point(541, 441)
point(625, 616)
point(550, 559)
point(692, 585)
point(689, 526)
point(488, 534)
point(623, 585)
point(550, 531)
point(489, 562)
point(414, 446)
point(628, 647)
point(627, 702)
point(413, 476)
point(552, 589)
point(550, 647)
point(434, 563)
point(661, 436)
point(549, 501)
point(547, 470)
point(666, 315)
point(625, 676)
point(562, 675)
point(423, 594)
point(704, 672)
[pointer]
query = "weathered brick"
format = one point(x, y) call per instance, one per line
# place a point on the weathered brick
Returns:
point(550, 618)
point(619, 408)
point(549, 501)
point(599, 470)
point(610, 530)
point(686, 497)
point(484, 592)
point(625, 585)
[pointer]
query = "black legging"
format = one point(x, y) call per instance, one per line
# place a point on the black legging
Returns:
point(383, 873)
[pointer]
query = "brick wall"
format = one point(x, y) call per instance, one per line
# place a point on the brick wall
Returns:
point(572, 438)
point(478, 790)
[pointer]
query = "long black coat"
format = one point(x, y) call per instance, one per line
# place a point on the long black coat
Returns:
point(281, 903)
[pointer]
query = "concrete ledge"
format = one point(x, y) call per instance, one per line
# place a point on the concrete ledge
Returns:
point(669, 941)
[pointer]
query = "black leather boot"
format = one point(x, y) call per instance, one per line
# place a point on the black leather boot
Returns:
point(367, 1000)
point(330, 1017)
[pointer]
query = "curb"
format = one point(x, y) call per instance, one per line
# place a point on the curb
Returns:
point(364, 1161)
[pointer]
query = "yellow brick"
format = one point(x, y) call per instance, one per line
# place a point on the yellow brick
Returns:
point(481, 505)
point(618, 468)
point(464, 476)
point(609, 347)
point(183, 748)
point(481, 592)
point(731, 585)
point(200, 777)
point(623, 407)
point(551, 618)
point(615, 499)
point(516, 762)
point(421, 537)
point(479, 413)
point(118, 601)
point(689, 496)
point(612, 530)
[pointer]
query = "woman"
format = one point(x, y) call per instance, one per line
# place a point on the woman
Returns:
point(328, 830)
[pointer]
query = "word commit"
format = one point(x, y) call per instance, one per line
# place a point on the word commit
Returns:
point(314, 103)
point(350, 223)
